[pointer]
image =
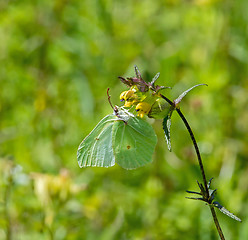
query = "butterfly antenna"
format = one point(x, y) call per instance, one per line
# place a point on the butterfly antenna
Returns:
point(109, 98)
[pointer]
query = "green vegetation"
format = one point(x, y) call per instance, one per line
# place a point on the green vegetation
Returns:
point(57, 59)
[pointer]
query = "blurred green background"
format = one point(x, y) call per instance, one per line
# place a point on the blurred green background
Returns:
point(57, 59)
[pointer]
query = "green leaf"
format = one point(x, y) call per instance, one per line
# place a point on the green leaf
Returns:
point(166, 127)
point(179, 99)
point(226, 212)
point(133, 143)
point(137, 72)
point(155, 78)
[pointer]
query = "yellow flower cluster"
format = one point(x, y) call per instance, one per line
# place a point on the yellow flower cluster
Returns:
point(129, 97)
point(134, 97)
point(144, 96)
point(145, 103)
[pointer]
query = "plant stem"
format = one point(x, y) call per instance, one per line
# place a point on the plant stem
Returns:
point(196, 149)
point(202, 171)
point(200, 164)
point(217, 223)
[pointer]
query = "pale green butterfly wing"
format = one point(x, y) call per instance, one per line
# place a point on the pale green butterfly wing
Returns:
point(96, 149)
point(133, 142)
point(120, 137)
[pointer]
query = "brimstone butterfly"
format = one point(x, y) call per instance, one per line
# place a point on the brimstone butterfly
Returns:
point(120, 138)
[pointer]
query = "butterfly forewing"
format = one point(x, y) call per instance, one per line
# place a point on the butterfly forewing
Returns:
point(96, 149)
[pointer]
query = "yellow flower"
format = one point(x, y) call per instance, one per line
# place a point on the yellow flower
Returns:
point(143, 108)
point(129, 97)
point(122, 96)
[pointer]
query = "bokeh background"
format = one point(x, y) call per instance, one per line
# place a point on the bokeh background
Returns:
point(57, 59)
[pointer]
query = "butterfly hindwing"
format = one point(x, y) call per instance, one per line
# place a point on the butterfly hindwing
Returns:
point(133, 143)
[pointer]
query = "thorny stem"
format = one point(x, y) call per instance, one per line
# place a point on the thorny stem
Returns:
point(200, 164)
